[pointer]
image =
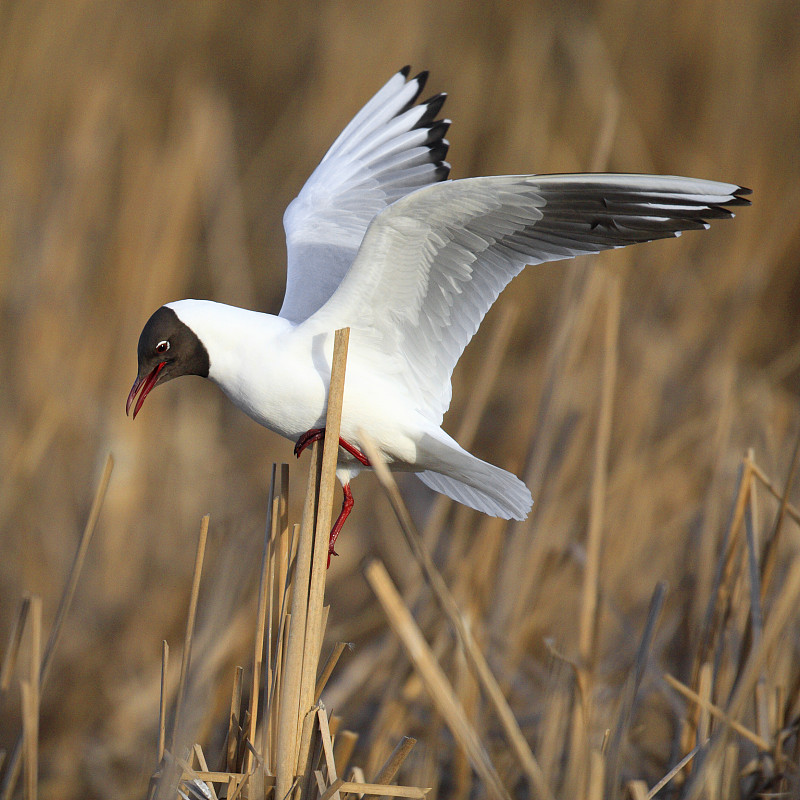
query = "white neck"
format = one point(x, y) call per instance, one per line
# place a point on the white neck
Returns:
point(251, 358)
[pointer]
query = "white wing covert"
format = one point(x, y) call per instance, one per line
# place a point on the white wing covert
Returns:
point(432, 264)
point(390, 148)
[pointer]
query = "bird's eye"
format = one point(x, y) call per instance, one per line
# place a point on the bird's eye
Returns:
point(162, 347)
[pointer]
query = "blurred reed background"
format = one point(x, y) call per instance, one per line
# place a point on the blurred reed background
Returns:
point(147, 152)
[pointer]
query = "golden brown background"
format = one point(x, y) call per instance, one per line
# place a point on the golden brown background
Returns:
point(147, 152)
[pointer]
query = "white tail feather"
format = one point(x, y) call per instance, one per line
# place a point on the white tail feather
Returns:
point(488, 489)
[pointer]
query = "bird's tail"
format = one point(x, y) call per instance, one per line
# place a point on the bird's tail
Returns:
point(468, 480)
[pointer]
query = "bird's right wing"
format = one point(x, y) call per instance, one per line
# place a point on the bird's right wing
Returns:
point(390, 148)
point(432, 264)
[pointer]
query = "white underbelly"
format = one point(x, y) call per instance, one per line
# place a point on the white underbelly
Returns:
point(293, 401)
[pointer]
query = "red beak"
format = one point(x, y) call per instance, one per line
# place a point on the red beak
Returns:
point(144, 385)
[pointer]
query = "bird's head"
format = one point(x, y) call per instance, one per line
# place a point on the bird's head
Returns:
point(167, 349)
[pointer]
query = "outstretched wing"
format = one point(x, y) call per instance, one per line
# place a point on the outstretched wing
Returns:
point(432, 264)
point(390, 148)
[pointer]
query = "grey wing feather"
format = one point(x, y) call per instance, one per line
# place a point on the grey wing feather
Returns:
point(432, 264)
point(390, 148)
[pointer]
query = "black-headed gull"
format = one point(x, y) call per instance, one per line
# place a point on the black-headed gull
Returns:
point(379, 241)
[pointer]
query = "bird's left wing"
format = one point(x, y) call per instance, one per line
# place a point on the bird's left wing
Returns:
point(390, 148)
point(432, 264)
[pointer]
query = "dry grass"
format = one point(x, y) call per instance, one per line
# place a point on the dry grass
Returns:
point(147, 153)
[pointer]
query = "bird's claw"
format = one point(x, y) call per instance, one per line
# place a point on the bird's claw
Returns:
point(308, 438)
point(331, 552)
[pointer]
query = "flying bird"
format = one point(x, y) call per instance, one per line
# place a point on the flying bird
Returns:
point(379, 240)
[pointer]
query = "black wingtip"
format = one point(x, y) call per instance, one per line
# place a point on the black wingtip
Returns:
point(434, 106)
point(421, 79)
point(438, 151)
point(738, 197)
point(437, 131)
point(405, 71)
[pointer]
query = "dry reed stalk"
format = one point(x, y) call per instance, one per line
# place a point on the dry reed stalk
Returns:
point(791, 510)
point(307, 775)
point(771, 546)
point(327, 486)
point(286, 754)
point(755, 620)
point(613, 754)
point(30, 701)
point(393, 763)
point(596, 776)
point(317, 614)
point(13, 647)
point(162, 701)
point(720, 713)
point(363, 789)
point(785, 606)
point(30, 738)
point(327, 743)
point(232, 740)
point(186, 656)
point(588, 620)
point(468, 694)
point(328, 667)
point(475, 657)
point(718, 600)
point(432, 675)
point(705, 690)
point(270, 548)
point(682, 764)
point(609, 122)
point(261, 618)
point(12, 764)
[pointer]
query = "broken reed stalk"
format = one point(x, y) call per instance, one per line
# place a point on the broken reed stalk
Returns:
point(447, 602)
point(12, 764)
point(328, 668)
point(186, 656)
point(392, 764)
point(234, 723)
point(433, 678)
point(306, 627)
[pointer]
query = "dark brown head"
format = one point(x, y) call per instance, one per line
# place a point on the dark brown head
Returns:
point(167, 349)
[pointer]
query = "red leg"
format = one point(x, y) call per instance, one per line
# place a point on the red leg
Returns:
point(347, 507)
point(315, 434)
point(354, 451)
